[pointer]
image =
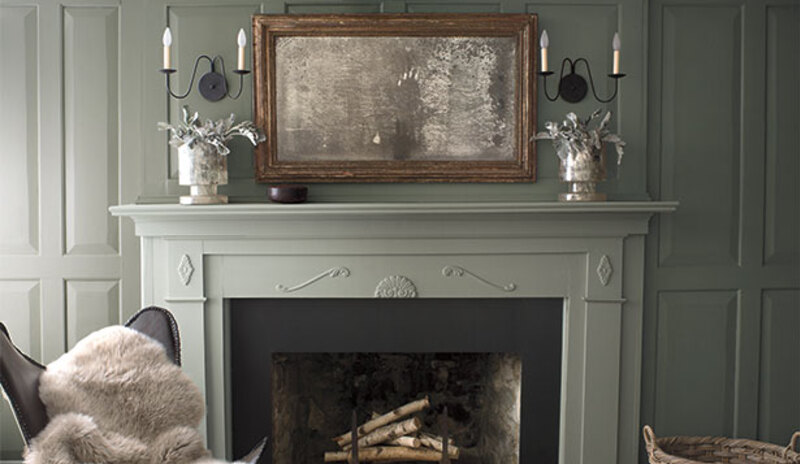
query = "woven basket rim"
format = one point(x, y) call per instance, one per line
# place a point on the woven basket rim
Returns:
point(661, 448)
point(663, 442)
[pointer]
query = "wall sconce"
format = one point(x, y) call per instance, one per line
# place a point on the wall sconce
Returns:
point(212, 85)
point(573, 87)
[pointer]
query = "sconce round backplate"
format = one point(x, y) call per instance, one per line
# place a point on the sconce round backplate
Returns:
point(212, 86)
point(572, 88)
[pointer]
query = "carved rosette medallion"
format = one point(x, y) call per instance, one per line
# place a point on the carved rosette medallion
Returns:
point(604, 270)
point(396, 287)
point(185, 270)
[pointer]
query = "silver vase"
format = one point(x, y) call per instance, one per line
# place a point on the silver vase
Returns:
point(582, 170)
point(202, 168)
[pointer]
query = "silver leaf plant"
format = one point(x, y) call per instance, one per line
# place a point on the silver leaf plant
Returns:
point(575, 136)
point(192, 131)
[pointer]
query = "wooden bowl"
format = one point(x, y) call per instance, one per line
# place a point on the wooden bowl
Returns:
point(288, 193)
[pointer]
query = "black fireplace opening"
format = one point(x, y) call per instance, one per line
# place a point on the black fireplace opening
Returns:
point(299, 367)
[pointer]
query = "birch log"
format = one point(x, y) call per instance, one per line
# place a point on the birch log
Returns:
point(408, 442)
point(437, 437)
point(436, 443)
point(386, 454)
point(387, 433)
point(388, 418)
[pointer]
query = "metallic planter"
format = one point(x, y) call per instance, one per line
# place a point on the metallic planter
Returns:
point(202, 168)
point(582, 170)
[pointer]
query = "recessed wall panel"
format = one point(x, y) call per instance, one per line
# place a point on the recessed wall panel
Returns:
point(91, 305)
point(696, 352)
point(781, 210)
point(19, 115)
point(20, 311)
point(441, 7)
point(324, 7)
point(779, 402)
point(701, 131)
point(91, 129)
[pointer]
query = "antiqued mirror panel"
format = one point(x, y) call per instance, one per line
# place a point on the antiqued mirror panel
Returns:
point(395, 98)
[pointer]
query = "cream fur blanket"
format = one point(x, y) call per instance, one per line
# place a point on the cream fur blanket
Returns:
point(116, 398)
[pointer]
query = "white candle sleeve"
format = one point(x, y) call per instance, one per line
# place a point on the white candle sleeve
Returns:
point(544, 60)
point(167, 57)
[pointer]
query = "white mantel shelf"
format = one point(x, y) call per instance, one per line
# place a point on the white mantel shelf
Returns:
point(196, 258)
point(161, 219)
point(242, 210)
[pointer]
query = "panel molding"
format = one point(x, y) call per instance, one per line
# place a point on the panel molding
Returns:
point(701, 124)
point(328, 7)
point(19, 177)
point(91, 129)
point(21, 312)
point(695, 372)
point(779, 403)
point(91, 305)
point(782, 190)
point(461, 7)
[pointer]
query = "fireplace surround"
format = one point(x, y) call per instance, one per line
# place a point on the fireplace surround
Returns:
point(196, 260)
point(300, 366)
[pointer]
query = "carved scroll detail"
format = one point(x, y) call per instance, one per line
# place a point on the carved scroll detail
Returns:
point(456, 271)
point(185, 270)
point(333, 273)
point(604, 270)
point(396, 287)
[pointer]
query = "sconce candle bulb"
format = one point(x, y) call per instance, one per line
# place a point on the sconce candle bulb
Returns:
point(616, 44)
point(166, 40)
point(241, 40)
point(544, 42)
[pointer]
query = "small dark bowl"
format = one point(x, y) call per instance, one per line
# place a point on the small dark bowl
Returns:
point(288, 193)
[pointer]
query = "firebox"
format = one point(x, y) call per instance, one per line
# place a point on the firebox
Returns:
point(489, 370)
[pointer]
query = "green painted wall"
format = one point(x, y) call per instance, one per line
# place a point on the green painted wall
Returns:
point(710, 110)
point(722, 321)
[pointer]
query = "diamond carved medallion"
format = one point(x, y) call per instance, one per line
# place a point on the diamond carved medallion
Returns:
point(604, 270)
point(185, 270)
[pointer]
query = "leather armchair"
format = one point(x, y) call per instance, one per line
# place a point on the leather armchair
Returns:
point(19, 374)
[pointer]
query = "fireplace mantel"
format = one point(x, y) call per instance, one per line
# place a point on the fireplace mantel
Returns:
point(196, 258)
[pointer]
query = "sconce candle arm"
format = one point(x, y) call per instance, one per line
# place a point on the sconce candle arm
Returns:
point(240, 72)
point(573, 87)
point(544, 74)
point(168, 72)
point(616, 78)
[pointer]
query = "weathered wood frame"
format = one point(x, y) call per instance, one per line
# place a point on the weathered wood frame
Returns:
point(266, 28)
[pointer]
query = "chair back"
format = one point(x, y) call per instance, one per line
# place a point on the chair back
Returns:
point(19, 378)
point(159, 324)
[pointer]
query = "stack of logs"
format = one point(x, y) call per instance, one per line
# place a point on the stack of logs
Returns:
point(394, 437)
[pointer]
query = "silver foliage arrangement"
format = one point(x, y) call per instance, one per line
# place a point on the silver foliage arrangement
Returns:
point(192, 131)
point(575, 136)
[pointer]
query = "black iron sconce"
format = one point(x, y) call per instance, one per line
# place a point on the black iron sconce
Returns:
point(572, 87)
point(213, 85)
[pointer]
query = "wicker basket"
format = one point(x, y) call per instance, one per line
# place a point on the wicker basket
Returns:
point(697, 450)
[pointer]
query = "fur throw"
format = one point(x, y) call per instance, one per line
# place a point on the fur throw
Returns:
point(115, 398)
